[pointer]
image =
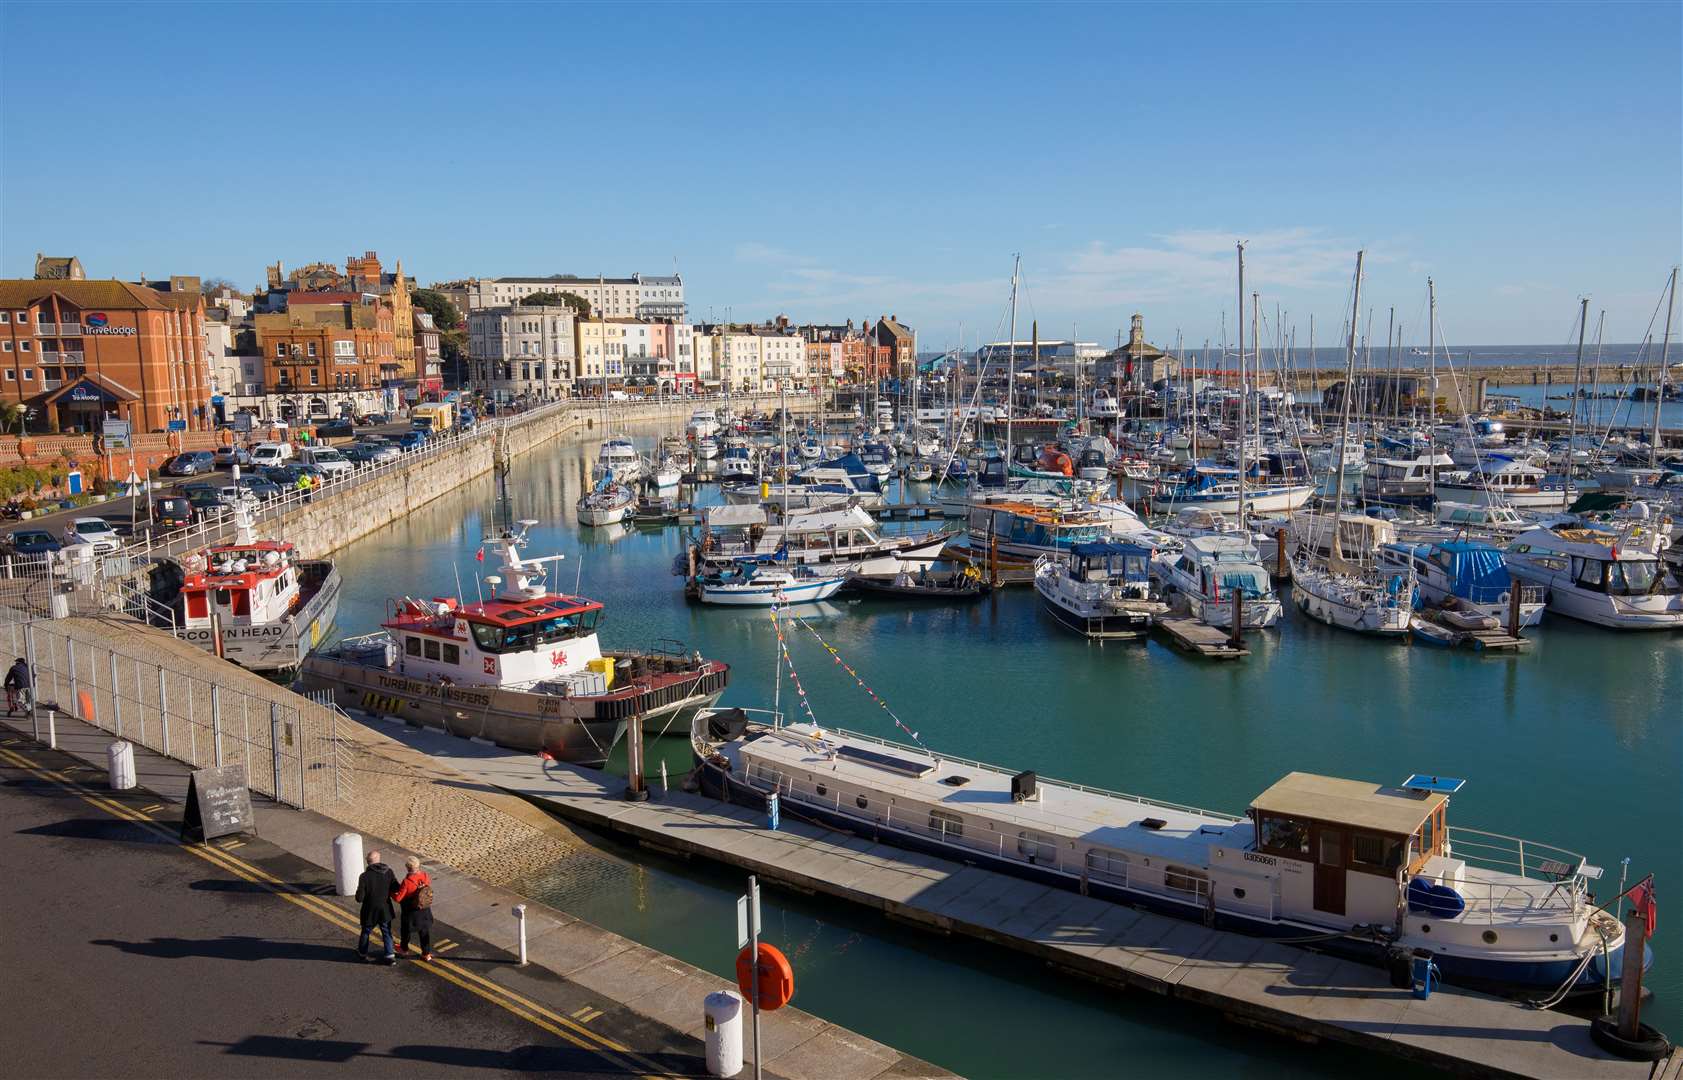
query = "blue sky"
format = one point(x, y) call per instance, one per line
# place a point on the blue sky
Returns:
point(830, 161)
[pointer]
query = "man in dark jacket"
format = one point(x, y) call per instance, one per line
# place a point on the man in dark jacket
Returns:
point(18, 685)
point(374, 892)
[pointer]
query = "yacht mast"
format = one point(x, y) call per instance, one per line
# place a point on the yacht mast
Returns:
point(1344, 405)
point(1431, 388)
point(1572, 425)
point(1011, 368)
point(1240, 319)
point(1659, 382)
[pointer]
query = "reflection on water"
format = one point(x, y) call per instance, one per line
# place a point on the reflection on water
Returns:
point(1575, 743)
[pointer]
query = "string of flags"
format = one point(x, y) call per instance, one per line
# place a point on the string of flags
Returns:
point(857, 678)
point(794, 676)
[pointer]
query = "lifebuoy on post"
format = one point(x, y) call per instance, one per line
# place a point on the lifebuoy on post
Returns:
point(776, 978)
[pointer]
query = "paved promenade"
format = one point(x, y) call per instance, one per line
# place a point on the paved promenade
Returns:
point(234, 958)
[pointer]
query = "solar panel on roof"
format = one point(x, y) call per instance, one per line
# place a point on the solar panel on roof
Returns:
point(1422, 782)
point(879, 760)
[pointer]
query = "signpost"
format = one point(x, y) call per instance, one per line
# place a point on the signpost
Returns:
point(748, 936)
point(218, 804)
point(762, 971)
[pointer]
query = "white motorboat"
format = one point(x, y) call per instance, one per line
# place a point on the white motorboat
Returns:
point(756, 585)
point(877, 457)
point(607, 503)
point(1325, 459)
point(1467, 577)
point(1103, 405)
point(1609, 577)
point(618, 460)
point(811, 449)
point(706, 448)
point(920, 470)
point(1209, 570)
point(1404, 481)
point(1373, 872)
point(1511, 483)
point(669, 473)
point(702, 425)
point(738, 460)
point(1493, 518)
point(832, 541)
point(1100, 589)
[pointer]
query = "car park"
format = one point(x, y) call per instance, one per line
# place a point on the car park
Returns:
point(191, 463)
point(95, 531)
point(260, 486)
point(32, 543)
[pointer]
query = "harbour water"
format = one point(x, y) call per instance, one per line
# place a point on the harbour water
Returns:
point(1575, 743)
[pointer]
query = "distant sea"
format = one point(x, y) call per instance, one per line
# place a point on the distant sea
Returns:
point(1476, 356)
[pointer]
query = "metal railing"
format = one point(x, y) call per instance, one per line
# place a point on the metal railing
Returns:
point(293, 753)
point(1535, 878)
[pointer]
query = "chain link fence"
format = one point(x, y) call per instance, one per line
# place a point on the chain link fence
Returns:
point(297, 753)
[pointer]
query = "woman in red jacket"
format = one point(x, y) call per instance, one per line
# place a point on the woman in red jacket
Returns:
point(414, 897)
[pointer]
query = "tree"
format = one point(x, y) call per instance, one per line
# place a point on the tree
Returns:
point(209, 286)
point(580, 306)
point(440, 307)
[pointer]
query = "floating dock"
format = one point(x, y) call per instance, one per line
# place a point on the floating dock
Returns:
point(1201, 638)
point(1257, 983)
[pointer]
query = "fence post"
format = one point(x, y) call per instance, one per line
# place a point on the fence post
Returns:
point(333, 740)
point(116, 698)
point(274, 745)
point(34, 679)
point(163, 708)
point(140, 703)
point(192, 728)
point(216, 724)
point(298, 718)
point(70, 659)
point(245, 721)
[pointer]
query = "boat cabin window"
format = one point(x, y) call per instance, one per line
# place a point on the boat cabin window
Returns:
point(1638, 578)
point(1283, 835)
point(1107, 865)
point(1036, 848)
point(1376, 853)
point(1591, 574)
point(411, 645)
point(1186, 879)
point(948, 826)
point(452, 654)
point(431, 649)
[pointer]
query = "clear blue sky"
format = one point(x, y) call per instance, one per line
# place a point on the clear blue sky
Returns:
point(848, 161)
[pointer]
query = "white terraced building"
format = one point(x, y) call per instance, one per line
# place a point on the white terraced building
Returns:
point(640, 296)
point(520, 351)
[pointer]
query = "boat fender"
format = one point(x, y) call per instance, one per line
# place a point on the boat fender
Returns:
point(1649, 1044)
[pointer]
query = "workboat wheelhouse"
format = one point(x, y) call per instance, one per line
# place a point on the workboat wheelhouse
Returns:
point(1371, 871)
point(252, 602)
point(524, 669)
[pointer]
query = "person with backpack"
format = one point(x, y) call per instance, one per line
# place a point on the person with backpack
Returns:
point(415, 897)
point(374, 891)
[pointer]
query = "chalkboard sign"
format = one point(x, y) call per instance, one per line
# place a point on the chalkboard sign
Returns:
point(218, 804)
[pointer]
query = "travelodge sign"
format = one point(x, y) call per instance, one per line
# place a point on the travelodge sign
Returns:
point(97, 322)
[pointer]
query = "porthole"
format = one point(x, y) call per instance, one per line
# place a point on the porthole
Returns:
point(1489, 937)
point(820, 790)
point(1425, 928)
point(1239, 893)
point(1554, 937)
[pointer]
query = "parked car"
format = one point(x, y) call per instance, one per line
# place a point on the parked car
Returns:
point(411, 440)
point(95, 531)
point(192, 463)
point(260, 486)
point(326, 458)
point(31, 542)
point(373, 419)
point(287, 475)
point(171, 512)
point(357, 454)
point(335, 429)
point(229, 456)
point(377, 452)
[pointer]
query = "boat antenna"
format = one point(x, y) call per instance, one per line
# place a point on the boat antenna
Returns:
point(578, 576)
point(458, 571)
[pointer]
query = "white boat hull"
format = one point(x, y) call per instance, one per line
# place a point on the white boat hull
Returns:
point(766, 595)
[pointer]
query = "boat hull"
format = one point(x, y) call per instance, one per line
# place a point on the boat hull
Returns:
point(768, 595)
point(1496, 976)
point(283, 645)
point(1362, 618)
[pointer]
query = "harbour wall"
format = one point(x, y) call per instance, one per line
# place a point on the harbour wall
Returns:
point(339, 515)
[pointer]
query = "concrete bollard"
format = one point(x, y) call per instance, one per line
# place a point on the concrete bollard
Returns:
point(347, 862)
point(520, 923)
point(52, 729)
point(722, 1016)
point(119, 760)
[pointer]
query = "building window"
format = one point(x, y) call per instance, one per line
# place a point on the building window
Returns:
point(311, 347)
point(314, 377)
point(11, 376)
point(4, 318)
point(23, 346)
point(5, 346)
point(28, 374)
point(23, 316)
point(280, 350)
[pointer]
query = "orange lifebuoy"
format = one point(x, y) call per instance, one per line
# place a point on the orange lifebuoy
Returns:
point(775, 976)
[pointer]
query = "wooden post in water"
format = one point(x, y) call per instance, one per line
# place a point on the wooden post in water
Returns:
point(1514, 589)
point(1630, 978)
point(1282, 568)
point(1237, 637)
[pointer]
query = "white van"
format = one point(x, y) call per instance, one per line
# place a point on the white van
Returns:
point(271, 453)
point(327, 459)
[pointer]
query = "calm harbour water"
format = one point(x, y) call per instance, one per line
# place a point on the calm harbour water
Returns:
point(1576, 743)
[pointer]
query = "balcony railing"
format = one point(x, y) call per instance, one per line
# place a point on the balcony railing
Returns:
point(69, 329)
point(46, 329)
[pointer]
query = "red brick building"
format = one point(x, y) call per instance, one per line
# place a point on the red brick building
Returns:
point(77, 352)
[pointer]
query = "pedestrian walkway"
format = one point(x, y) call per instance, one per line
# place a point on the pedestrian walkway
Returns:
point(620, 999)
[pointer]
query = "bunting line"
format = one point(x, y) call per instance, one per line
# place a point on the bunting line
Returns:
point(859, 679)
point(794, 676)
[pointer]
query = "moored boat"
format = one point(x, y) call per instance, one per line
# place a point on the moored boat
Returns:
point(524, 669)
point(1100, 590)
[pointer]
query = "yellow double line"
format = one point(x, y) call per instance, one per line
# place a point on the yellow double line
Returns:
point(560, 1026)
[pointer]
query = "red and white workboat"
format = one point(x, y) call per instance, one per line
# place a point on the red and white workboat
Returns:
point(266, 606)
point(523, 670)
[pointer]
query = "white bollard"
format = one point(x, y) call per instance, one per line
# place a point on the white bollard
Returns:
point(119, 759)
point(520, 918)
point(347, 862)
point(723, 1019)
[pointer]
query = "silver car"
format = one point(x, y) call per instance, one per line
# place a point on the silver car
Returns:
point(95, 531)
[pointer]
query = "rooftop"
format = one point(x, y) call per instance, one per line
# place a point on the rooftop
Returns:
point(1398, 811)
